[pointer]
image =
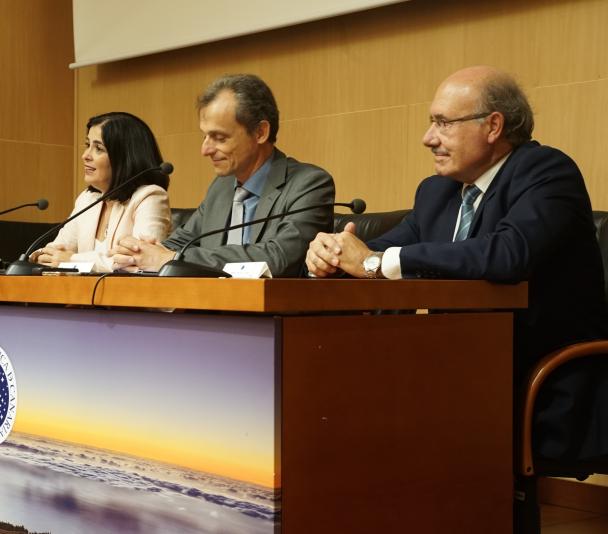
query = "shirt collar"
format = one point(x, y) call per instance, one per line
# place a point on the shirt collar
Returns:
point(484, 181)
point(255, 183)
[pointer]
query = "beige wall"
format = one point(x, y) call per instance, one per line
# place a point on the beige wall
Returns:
point(36, 107)
point(354, 91)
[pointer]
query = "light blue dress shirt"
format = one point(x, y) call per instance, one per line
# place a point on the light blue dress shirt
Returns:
point(255, 185)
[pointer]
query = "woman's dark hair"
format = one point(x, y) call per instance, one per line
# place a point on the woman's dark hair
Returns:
point(132, 148)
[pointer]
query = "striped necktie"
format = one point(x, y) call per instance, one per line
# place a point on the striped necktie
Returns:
point(467, 212)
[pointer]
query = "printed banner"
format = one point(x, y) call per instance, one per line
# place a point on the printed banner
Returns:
point(134, 422)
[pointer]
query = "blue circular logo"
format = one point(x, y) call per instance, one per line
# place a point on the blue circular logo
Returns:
point(8, 396)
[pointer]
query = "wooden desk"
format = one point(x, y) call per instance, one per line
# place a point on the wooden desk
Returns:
point(264, 296)
point(385, 423)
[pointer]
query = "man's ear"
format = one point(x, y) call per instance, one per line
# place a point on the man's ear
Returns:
point(496, 122)
point(262, 132)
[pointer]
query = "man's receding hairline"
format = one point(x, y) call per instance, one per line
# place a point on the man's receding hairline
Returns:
point(486, 77)
point(216, 97)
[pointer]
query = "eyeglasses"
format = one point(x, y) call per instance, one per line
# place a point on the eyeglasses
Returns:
point(444, 124)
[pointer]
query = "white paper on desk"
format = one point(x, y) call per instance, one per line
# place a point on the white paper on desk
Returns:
point(82, 266)
point(248, 269)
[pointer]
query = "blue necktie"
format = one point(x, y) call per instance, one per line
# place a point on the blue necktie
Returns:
point(467, 212)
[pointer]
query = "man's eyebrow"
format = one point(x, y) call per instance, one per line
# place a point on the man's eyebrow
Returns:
point(214, 132)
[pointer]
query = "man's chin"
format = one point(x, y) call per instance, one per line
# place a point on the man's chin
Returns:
point(221, 170)
point(441, 164)
point(441, 170)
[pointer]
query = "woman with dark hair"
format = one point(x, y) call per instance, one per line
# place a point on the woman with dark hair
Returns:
point(118, 146)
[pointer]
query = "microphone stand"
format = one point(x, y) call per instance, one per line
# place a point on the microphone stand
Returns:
point(177, 267)
point(41, 204)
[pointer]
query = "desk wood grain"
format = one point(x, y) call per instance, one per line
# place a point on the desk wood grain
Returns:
point(263, 296)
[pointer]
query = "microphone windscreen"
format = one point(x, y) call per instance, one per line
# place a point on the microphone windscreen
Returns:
point(42, 204)
point(166, 167)
point(358, 205)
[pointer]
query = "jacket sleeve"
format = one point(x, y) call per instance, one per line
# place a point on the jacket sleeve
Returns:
point(152, 214)
point(404, 233)
point(192, 228)
point(68, 235)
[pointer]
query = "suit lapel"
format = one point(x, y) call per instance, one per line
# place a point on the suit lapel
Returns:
point(218, 210)
point(479, 211)
point(87, 230)
point(116, 215)
point(447, 226)
point(272, 191)
point(488, 196)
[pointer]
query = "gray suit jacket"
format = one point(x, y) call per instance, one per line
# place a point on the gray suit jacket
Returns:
point(282, 243)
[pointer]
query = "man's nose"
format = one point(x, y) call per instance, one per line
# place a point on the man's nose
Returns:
point(207, 147)
point(430, 136)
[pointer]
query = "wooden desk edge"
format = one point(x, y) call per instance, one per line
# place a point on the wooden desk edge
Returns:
point(264, 296)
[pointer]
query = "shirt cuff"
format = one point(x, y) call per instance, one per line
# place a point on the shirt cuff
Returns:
point(391, 263)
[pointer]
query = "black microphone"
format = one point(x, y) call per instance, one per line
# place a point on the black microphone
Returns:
point(178, 267)
point(23, 267)
point(41, 204)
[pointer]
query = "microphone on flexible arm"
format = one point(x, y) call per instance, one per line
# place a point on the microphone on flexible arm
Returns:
point(23, 267)
point(41, 204)
point(178, 267)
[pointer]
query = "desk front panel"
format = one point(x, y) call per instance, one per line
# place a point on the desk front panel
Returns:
point(397, 424)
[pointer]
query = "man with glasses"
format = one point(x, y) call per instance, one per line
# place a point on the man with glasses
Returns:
point(503, 208)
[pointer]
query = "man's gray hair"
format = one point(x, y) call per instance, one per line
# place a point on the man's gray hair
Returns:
point(255, 101)
point(504, 95)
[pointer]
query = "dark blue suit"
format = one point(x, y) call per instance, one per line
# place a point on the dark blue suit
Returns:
point(534, 223)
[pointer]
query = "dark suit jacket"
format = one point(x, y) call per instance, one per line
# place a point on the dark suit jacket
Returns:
point(534, 223)
point(282, 243)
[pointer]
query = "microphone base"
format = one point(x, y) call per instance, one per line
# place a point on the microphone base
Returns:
point(178, 268)
point(24, 268)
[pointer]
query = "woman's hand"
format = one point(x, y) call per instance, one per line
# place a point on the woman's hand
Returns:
point(51, 255)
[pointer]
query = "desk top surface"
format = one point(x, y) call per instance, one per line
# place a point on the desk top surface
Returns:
point(263, 296)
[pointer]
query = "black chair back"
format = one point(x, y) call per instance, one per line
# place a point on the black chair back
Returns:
point(180, 216)
point(369, 225)
point(16, 237)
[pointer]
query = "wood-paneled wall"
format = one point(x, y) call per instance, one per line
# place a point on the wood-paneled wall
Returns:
point(36, 107)
point(354, 90)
